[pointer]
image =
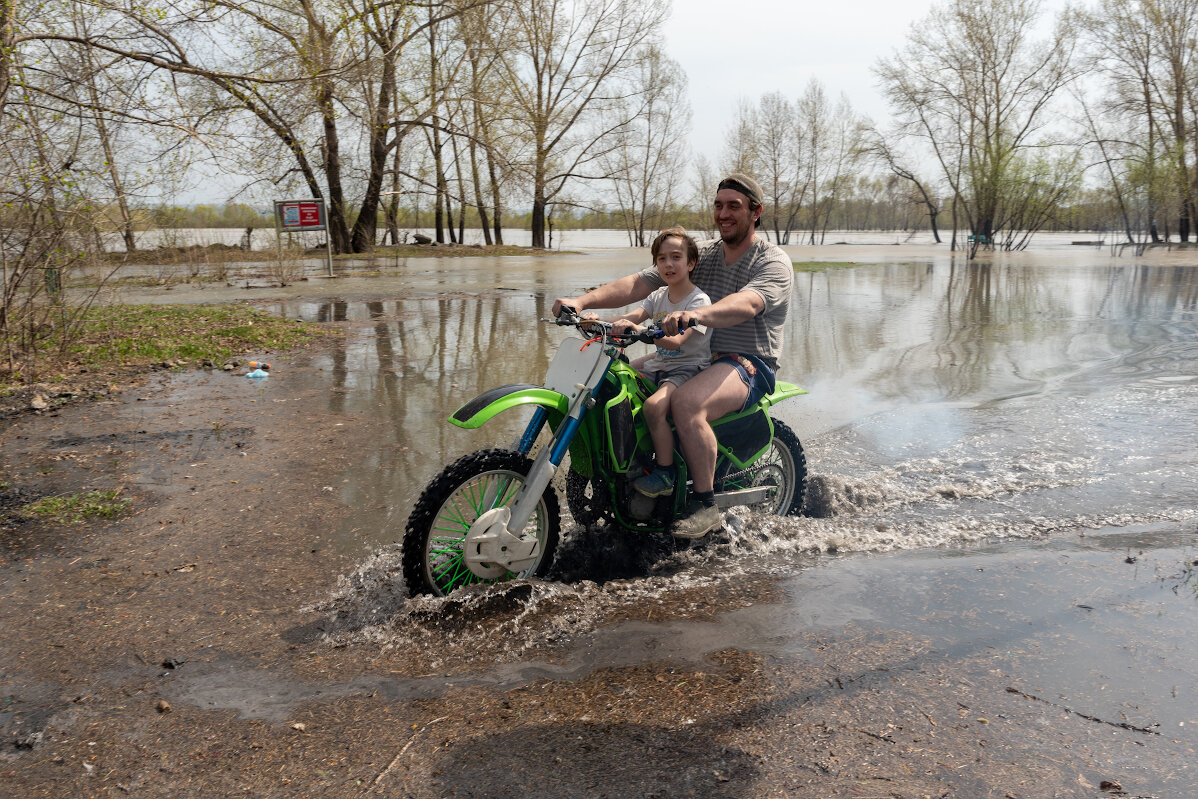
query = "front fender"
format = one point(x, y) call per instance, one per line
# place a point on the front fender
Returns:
point(495, 401)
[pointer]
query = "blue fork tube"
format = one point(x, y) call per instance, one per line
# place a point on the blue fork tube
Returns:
point(565, 434)
point(562, 441)
point(532, 431)
point(562, 445)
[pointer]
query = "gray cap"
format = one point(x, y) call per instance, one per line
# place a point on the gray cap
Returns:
point(738, 181)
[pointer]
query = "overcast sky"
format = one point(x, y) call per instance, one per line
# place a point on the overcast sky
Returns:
point(784, 44)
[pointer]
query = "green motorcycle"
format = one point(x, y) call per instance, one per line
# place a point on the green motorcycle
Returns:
point(492, 515)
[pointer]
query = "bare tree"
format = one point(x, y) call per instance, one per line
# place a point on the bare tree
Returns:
point(829, 145)
point(650, 152)
point(974, 87)
point(879, 148)
point(776, 165)
point(1145, 51)
point(740, 139)
point(568, 69)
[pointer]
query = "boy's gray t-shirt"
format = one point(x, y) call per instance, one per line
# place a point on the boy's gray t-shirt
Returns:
point(765, 269)
point(696, 350)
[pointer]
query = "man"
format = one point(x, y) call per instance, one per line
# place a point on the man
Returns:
point(749, 281)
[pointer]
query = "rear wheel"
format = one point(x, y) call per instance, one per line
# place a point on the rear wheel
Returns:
point(784, 466)
point(588, 500)
point(433, 543)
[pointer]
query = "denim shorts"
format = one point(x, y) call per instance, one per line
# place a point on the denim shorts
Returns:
point(753, 371)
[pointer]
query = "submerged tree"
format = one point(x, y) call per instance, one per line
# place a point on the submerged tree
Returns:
point(1145, 125)
point(976, 90)
point(879, 147)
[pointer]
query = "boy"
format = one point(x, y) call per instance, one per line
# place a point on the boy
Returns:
point(678, 358)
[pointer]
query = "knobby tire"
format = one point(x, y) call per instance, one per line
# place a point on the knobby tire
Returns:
point(432, 550)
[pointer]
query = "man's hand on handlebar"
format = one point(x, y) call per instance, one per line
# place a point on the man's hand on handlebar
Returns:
point(678, 321)
point(563, 304)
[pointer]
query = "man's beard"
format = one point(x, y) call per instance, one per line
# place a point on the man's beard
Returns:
point(736, 237)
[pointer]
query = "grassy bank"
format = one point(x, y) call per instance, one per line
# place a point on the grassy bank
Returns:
point(130, 335)
point(223, 253)
point(124, 338)
point(821, 266)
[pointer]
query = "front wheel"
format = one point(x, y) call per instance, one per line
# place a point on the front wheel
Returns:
point(433, 542)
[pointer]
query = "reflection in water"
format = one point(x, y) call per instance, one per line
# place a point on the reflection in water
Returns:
point(876, 338)
point(964, 380)
point(407, 364)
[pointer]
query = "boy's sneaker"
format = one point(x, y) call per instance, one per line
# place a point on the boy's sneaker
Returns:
point(656, 483)
point(699, 523)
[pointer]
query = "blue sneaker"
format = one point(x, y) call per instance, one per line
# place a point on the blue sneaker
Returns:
point(656, 483)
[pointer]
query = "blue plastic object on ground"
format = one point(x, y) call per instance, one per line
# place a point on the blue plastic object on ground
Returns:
point(258, 373)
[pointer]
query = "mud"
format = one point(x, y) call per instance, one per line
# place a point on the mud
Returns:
point(193, 648)
point(228, 636)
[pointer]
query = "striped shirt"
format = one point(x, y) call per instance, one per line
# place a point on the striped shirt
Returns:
point(764, 269)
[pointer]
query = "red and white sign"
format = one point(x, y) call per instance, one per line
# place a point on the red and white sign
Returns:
point(300, 214)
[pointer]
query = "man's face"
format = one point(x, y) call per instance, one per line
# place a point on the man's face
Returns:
point(732, 216)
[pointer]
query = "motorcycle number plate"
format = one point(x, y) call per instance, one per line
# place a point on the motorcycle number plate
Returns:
point(575, 363)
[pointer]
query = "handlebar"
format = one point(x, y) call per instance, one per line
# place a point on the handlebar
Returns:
point(570, 317)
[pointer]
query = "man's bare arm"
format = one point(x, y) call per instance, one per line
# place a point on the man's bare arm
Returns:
point(616, 294)
point(732, 310)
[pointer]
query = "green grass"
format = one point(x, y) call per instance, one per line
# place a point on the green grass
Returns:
point(137, 334)
point(820, 266)
point(131, 336)
point(77, 508)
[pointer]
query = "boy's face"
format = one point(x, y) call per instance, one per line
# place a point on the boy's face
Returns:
point(671, 261)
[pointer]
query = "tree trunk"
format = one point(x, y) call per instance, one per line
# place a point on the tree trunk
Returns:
point(118, 188)
point(457, 164)
point(496, 205)
point(7, 34)
point(366, 226)
point(538, 221)
point(338, 229)
point(439, 179)
point(393, 198)
point(480, 205)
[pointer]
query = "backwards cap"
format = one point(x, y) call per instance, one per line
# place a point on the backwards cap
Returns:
point(745, 185)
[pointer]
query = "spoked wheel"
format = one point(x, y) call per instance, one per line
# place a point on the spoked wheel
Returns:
point(433, 543)
point(783, 465)
point(589, 502)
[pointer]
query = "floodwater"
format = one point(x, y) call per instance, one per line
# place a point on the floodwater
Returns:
point(949, 402)
point(1003, 459)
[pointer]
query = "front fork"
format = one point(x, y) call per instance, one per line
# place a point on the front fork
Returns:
point(490, 545)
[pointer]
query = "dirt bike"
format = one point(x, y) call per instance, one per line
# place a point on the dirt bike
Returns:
point(493, 515)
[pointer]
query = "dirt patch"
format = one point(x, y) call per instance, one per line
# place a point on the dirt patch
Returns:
point(173, 652)
point(81, 386)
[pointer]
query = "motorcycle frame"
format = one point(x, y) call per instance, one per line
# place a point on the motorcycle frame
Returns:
point(573, 384)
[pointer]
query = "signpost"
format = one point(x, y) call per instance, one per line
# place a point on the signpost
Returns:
point(293, 216)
